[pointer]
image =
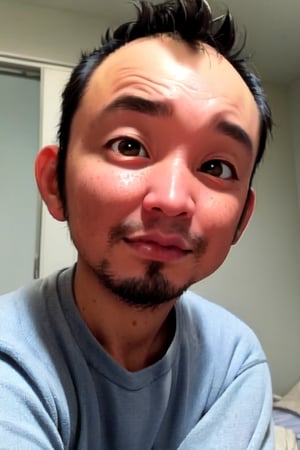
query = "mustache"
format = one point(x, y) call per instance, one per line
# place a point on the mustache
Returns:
point(197, 243)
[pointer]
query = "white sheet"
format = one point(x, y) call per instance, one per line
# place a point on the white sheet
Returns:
point(285, 439)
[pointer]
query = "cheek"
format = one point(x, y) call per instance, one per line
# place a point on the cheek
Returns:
point(219, 216)
point(128, 184)
point(97, 191)
point(217, 220)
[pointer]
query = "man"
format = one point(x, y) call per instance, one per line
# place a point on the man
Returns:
point(161, 130)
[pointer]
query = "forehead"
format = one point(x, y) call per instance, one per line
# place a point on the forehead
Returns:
point(164, 68)
point(164, 59)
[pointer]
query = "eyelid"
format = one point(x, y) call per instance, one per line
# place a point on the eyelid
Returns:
point(231, 166)
point(124, 138)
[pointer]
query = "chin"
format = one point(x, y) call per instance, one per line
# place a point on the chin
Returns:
point(149, 289)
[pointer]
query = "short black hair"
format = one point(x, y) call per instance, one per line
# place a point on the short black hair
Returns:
point(188, 20)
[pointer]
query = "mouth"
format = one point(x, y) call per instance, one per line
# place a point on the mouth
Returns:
point(163, 248)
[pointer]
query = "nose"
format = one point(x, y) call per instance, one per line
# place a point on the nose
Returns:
point(170, 189)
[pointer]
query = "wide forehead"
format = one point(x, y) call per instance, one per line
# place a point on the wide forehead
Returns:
point(168, 69)
point(164, 59)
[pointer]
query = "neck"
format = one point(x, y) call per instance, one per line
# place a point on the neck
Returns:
point(134, 337)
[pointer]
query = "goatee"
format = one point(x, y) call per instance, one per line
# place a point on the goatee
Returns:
point(153, 288)
point(149, 291)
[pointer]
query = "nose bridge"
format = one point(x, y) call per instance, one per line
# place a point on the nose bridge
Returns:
point(175, 178)
point(171, 187)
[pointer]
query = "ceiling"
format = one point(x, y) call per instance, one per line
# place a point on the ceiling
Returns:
point(273, 28)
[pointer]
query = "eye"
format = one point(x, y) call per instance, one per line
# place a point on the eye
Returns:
point(127, 146)
point(219, 169)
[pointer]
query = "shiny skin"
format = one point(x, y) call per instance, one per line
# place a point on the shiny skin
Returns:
point(160, 185)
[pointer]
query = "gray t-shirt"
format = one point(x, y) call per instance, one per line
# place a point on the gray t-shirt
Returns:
point(59, 389)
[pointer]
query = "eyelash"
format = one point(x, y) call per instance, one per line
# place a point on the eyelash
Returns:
point(213, 164)
point(127, 140)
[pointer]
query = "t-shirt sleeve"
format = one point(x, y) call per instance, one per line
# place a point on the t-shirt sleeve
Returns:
point(241, 418)
point(27, 412)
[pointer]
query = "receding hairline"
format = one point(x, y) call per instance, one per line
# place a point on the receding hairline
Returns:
point(202, 49)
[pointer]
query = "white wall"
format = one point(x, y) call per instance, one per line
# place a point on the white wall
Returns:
point(294, 101)
point(260, 281)
point(46, 33)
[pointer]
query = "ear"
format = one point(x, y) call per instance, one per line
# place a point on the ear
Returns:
point(45, 174)
point(246, 215)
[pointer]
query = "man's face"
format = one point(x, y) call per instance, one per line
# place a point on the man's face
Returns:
point(158, 168)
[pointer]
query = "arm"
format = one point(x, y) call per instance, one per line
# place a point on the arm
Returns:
point(28, 418)
point(241, 418)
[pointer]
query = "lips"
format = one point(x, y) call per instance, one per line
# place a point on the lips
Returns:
point(159, 247)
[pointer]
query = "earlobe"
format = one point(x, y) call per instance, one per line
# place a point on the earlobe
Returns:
point(245, 216)
point(45, 174)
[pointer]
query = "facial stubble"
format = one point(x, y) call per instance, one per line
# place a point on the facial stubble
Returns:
point(150, 290)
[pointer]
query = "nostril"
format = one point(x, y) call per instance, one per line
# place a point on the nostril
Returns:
point(183, 213)
point(169, 203)
point(170, 212)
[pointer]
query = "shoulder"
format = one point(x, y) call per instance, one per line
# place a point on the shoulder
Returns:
point(218, 330)
point(36, 383)
point(17, 308)
point(20, 308)
point(219, 351)
point(30, 318)
point(34, 333)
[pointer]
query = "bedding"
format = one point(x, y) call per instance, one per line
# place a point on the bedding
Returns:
point(285, 439)
point(286, 416)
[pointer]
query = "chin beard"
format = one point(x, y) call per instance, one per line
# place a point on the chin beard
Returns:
point(147, 292)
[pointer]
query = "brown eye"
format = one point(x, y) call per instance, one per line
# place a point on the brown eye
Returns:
point(219, 169)
point(128, 147)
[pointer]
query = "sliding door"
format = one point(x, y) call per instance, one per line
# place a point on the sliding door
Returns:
point(32, 243)
point(19, 143)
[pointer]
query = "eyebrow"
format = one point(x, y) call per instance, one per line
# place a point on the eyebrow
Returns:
point(235, 132)
point(141, 105)
point(160, 108)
